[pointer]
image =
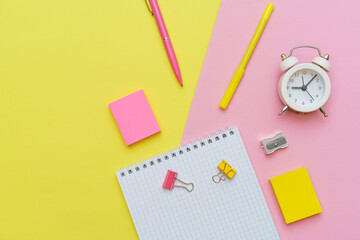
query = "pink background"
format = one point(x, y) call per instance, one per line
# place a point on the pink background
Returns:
point(327, 147)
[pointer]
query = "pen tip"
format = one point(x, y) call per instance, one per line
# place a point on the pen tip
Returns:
point(181, 84)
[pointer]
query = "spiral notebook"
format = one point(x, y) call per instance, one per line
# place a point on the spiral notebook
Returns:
point(231, 209)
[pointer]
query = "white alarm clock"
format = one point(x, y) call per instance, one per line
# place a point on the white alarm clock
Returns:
point(304, 87)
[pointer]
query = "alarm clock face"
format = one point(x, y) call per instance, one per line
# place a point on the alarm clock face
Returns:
point(305, 87)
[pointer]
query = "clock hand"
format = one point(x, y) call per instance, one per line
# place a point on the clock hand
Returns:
point(310, 95)
point(302, 77)
point(311, 80)
point(296, 87)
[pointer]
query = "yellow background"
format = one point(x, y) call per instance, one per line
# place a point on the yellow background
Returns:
point(61, 63)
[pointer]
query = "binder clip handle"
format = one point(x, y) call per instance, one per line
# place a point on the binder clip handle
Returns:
point(219, 176)
point(187, 184)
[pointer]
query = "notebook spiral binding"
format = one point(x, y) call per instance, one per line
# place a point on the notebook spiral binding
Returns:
point(144, 164)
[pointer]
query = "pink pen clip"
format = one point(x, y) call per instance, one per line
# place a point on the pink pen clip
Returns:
point(170, 181)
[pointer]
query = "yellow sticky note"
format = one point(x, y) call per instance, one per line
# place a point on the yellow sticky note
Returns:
point(296, 195)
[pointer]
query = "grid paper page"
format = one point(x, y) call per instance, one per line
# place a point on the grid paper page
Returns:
point(231, 209)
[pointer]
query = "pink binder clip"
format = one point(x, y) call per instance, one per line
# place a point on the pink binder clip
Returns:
point(170, 181)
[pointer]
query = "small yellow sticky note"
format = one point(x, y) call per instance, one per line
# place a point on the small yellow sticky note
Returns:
point(226, 169)
point(296, 195)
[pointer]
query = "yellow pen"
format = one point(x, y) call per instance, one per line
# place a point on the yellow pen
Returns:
point(240, 71)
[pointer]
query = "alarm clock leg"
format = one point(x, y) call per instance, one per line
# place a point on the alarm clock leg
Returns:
point(283, 110)
point(323, 112)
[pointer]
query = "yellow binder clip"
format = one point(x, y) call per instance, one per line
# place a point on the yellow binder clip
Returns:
point(226, 171)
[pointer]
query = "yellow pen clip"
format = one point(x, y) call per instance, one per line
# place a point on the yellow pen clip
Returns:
point(148, 7)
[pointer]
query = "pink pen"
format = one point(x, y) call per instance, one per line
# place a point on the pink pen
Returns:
point(166, 39)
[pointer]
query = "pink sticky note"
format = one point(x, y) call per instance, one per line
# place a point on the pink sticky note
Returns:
point(134, 117)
